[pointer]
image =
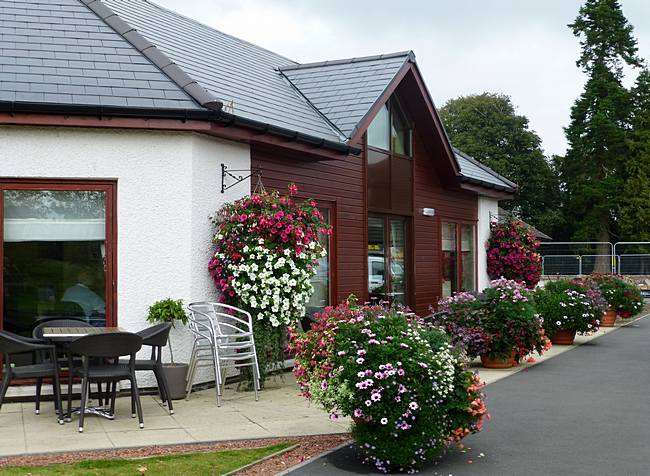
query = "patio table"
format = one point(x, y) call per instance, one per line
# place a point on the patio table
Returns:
point(65, 335)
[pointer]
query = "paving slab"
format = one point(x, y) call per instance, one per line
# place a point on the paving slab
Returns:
point(584, 412)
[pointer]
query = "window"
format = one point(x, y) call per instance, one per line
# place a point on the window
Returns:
point(390, 130)
point(387, 259)
point(321, 280)
point(389, 164)
point(57, 247)
point(458, 274)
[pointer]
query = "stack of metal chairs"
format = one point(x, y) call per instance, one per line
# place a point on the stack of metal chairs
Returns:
point(223, 339)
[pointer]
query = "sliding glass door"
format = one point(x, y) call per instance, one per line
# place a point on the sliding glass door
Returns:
point(57, 250)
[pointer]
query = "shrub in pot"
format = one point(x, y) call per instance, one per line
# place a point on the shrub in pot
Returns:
point(170, 310)
point(624, 297)
point(500, 324)
point(461, 316)
point(569, 307)
point(406, 390)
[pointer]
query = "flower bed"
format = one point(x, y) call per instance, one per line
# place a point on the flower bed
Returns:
point(406, 390)
point(623, 296)
point(567, 305)
point(498, 322)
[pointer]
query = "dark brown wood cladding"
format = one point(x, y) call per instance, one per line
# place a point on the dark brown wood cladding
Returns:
point(340, 182)
point(450, 205)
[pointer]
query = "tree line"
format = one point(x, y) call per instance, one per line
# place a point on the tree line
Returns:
point(599, 190)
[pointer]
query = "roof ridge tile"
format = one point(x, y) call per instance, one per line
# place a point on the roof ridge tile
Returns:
point(154, 54)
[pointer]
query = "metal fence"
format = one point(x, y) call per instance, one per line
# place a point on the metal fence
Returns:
point(586, 257)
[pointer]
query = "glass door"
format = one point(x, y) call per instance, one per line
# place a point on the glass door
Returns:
point(387, 259)
point(57, 253)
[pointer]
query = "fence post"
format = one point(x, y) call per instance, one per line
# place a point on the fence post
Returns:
point(579, 265)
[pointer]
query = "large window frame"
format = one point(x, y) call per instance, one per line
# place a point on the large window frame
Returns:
point(110, 190)
point(459, 269)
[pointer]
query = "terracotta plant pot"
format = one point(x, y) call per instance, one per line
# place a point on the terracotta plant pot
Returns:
point(563, 337)
point(608, 319)
point(490, 362)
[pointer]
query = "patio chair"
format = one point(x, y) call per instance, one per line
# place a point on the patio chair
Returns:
point(204, 352)
point(156, 337)
point(231, 329)
point(12, 344)
point(109, 347)
point(37, 333)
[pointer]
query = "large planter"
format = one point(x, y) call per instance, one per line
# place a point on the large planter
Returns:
point(608, 319)
point(492, 362)
point(563, 337)
point(176, 377)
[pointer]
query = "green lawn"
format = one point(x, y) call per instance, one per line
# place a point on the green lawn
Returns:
point(199, 464)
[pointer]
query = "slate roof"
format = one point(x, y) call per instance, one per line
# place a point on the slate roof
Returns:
point(243, 76)
point(59, 51)
point(345, 90)
point(136, 54)
point(472, 170)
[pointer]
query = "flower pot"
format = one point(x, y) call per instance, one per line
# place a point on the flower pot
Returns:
point(563, 337)
point(491, 362)
point(176, 377)
point(608, 319)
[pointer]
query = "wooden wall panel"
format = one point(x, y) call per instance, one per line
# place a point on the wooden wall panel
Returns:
point(450, 204)
point(341, 182)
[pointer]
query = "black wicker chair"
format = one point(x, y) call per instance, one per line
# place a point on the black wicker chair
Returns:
point(108, 347)
point(156, 337)
point(12, 344)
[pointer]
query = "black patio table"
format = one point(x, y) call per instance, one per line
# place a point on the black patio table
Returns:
point(63, 336)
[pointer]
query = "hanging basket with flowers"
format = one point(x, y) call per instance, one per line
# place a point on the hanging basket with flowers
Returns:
point(267, 250)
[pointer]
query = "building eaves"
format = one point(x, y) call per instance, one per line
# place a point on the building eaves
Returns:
point(360, 59)
point(155, 55)
point(494, 180)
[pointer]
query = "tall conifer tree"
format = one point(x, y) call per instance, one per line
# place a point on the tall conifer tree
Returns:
point(592, 169)
point(635, 204)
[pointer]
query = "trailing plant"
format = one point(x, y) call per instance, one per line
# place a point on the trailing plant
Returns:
point(622, 295)
point(512, 253)
point(267, 250)
point(408, 393)
point(167, 310)
point(570, 306)
point(461, 315)
point(498, 321)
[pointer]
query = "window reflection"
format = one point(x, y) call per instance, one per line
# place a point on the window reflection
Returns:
point(54, 257)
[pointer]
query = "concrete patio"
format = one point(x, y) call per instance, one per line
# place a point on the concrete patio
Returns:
point(281, 411)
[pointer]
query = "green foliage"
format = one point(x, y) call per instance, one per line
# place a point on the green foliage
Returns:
point(634, 209)
point(219, 462)
point(395, 376)
point(592, 172)
point(487, 127)
point(570, 306)
point(167, 310)
point(623, 296)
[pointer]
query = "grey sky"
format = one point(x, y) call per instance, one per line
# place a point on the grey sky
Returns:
point(517, 47)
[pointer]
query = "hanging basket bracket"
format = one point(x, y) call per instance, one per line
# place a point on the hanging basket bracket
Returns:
point(238, 175)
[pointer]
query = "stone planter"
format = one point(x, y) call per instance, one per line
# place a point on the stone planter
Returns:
point(176, 376)
point(608, 319)
point(491, 362)
point(563, 337)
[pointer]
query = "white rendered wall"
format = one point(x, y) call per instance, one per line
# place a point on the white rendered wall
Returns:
point(487, 207)
point(168, 185)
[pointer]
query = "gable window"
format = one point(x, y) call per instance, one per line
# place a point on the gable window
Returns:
point(390, 130)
